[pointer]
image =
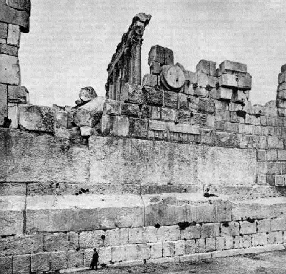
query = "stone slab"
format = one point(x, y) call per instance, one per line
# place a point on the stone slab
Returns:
point(11, 215)
point(31, 157)
point(83, 212)
point(9, 70)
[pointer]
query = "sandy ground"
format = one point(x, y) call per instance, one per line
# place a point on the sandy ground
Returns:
point(265, 263)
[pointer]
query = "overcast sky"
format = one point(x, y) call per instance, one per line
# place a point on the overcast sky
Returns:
point(71, 41)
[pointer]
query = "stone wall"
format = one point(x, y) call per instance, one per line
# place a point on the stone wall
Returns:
point(179, 168)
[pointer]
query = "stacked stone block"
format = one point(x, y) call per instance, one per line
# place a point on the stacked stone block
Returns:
point(281, 92)
point(14, 19)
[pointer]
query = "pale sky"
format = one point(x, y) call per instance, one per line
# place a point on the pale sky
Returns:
point(71, 41)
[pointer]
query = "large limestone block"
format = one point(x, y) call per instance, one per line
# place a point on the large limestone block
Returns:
point(14, 15)
point(85, 212)
point(226, 166)
point(18, 94)
point(233, 66)
point(37, 118)
point(14, 35)
point(31, 157)
point(11, 215)
point(171, 209)
point(9, 69)
point(259, 209)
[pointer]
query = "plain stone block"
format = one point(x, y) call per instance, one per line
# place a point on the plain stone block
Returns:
point(191, 232)
point(8, 49)
point(18, 95)
point(60, 241)
point(118, 253)
point(9, 70)
point(245, 82)
point(259, 239)
point(22, 264)
point(6, 265)
point(210, 230)
point(278, 224)
point(171, 99)
point(223, 93)
point(228, 80)
point(247, 227)
point(120, 126)
point(171, 233)
point(130, 109)
point(168, 114)
point(112, 107)
point(263, 225)
point(58, 260)
point(150, 234)
point(190, 246)
point(282, 77)
point(275, 237)
point(180, 247)
point(156, 250)
point(210, 244)
point(228, 242)
point(40, 262)
point(13, 35)
point(37, 118)
point(150, 80)
point(19, 4)
point(3, 103)
point(136, 235)
point(233, 66)
point(200, 245)
point(220, 243)
point(168, 249)
point(3, 30)
point(117, 236)
point(207, 67)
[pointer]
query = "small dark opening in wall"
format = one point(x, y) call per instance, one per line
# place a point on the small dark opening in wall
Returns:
point(225, 224)
point(103, 237)
point(183, 225)
point(250, 220)
point(157, 226)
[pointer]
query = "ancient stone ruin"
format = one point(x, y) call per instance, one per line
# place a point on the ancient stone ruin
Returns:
point(177, 168)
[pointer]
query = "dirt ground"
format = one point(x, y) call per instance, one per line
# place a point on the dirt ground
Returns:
point(265, 263)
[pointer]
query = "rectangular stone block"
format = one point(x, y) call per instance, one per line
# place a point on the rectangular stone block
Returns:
point(168, 233)
point(228, 80)
point(263, 225)
point(201, 246)
point(168, 249)
point(130, 109)
point(157, 125)
point(230, 229)
point(153, 96)
point(58, 261)
point(280, 180)
point(3, 30)
point(156, 250)
point(155, 68)
point(282, 77)
point(282, 155)
point(184, 128)
point(3, 103)
point(9, 70)
point(40, 262)
point(117, 236)
point(136, 235)
point(150, 80)
point(8, 49)
point(138, 127)
point(118, 253)
point(120, 126)
point(278, 224)
point(183, 101)
point(6, 265)
point(246, 241)
point(191, 232)
point(75, 259)
point(228, 242)
point(22, 264)
point(162, 55)
point(210, 230)
point(112, 107)
point(210, 244)
point(245, 82)
point(190, 246)
point(233, 66)
point(131, 94)
point(275, 237)
point(168, 114)
point(18, 95)
point(180, 247)
point(60, 241)
point(171, 99)
point(13, 35)
point(150, 234)
point(239, 96)
point(37, 118)
point(201, 91)
point(259, 239)
point(207, 67)
point(222, 93)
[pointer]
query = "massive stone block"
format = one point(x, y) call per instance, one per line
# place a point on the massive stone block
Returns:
point(3, 103)
point(78, 213)
point(9, 70)
point(40, 158)
point(11, 215)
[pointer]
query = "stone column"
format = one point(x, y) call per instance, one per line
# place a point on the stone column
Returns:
point(136, 57)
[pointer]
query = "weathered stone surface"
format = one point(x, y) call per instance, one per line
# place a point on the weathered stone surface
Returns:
point(132, 94)
point(162, 55)
point(3, 103)
point(40, 262)
point(30, 158)
point(36, 118)
point(3, 30)
point(234, 66)
point(58, 260)
point(19, 4)
point(14, 16)
point(13, 35)
point(22, 264)
point(18, 95)
point(11, 215)
point(6, 265)
point(207, 67)
point(9, 70)
point(153, 96)
point(87, 94)
point(8, 49)
point(77, 213)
